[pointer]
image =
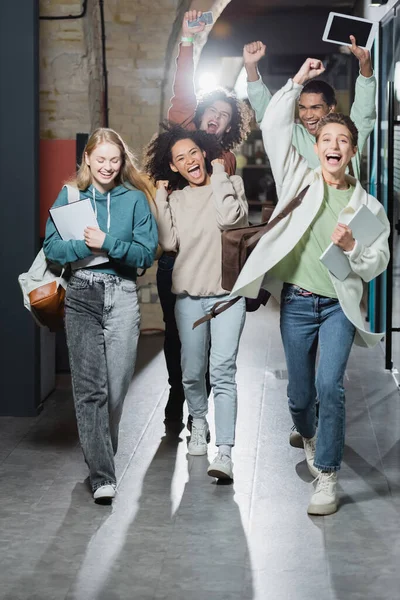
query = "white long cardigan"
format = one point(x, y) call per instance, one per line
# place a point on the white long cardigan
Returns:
point(292, 174)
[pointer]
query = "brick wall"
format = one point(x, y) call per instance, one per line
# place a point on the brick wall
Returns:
point(141, 46)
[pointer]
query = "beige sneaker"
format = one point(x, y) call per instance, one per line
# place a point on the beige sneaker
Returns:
point(221, 467)
point(324, 499)
point(197, 445)
point(309, 451)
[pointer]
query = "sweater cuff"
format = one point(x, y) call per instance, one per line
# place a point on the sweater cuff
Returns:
point(108, 243)
point(355, 252)
point(255, 85)
point(218, 169)
point(291, 85)
point(161, 195)
point(83, 249)
point(366, 80)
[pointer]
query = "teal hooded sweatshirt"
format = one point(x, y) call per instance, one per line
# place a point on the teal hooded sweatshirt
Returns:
point(131, 232)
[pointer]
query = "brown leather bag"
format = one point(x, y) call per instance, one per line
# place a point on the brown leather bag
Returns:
point(47, 304)
point(237, 245)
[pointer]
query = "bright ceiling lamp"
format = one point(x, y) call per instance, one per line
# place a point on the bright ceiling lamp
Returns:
point(207, 82)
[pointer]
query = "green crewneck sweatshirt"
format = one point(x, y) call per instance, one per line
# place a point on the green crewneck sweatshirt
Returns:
point(131, 232)
point(302, 265)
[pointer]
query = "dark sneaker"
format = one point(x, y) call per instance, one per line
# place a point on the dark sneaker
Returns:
point(295, 439)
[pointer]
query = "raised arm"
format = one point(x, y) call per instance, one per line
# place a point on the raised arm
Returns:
point(229, 197)
point(167, 233)
point(363, 110)
point(288, 167)
point(257, 92)
point(184, 101)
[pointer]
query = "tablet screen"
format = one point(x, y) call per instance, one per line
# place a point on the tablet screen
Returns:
point(341, 28)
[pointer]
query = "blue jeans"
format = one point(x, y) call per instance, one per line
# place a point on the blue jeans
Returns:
point(102, 321)
point(224, 333)
point(309, 321)
point(172, 343)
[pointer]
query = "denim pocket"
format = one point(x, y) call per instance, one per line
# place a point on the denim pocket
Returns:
point(76, 283)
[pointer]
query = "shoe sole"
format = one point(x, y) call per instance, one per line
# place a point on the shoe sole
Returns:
point(197, 452)
point(104, 500)
point(323, 510)
point(219, 474)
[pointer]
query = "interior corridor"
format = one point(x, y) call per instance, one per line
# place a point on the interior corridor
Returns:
point(172, 533)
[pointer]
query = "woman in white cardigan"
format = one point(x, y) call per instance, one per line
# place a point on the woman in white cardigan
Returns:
point(317, 309)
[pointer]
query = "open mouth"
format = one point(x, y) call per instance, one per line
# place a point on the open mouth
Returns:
point(333, 158)
point(106, 175)
point(212, 127)
point(312, 125)
point(195, 172)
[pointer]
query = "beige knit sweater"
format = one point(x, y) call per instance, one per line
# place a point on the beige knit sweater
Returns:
point(190, 222)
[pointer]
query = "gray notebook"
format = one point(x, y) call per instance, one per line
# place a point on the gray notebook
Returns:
point(70, 221)
point(366, 228)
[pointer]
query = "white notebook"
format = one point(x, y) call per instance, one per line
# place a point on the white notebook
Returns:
point(366, 228)
point(70, 221)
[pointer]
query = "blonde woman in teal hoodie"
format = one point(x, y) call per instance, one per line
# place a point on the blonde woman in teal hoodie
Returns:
point(102, 315)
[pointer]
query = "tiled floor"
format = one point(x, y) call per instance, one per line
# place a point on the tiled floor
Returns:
point(172, 533)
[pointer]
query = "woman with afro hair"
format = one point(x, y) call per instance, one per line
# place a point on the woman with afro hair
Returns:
point(196, 200)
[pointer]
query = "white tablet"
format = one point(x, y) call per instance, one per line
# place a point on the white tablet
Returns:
point(340, 27)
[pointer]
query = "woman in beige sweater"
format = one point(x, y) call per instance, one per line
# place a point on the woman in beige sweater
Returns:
point(195, 201)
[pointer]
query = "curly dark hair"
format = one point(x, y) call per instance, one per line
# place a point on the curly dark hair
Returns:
point(158, 153)
point(241, 116)
point(334, 117)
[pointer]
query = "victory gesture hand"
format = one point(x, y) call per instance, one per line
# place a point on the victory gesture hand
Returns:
point(253, 52)
point(363, 56)
point(310, 69)
point(192, 15)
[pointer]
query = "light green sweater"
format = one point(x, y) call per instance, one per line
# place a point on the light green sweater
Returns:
point(302, 265)
point(363, 113)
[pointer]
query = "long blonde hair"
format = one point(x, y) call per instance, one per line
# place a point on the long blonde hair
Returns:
point(128, 176)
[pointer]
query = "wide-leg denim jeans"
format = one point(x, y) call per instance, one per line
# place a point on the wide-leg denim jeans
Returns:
point(102, 322)
point(224, 332)
point(309, 321)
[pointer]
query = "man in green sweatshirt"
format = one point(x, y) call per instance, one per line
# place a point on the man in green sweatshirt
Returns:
point(317, 100)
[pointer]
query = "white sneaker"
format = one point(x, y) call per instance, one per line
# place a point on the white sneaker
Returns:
point(221, 467)
point(324, 499)
point(197, 445)
point(309, 451)
point(104, 494)
point(295, 439)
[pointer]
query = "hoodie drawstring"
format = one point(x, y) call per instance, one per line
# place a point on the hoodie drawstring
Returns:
point(108, 208)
